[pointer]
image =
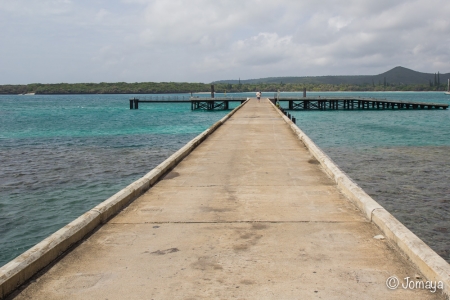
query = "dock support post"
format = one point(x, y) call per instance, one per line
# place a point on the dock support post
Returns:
point(291, 104)
point(294, 120)
point(136, 103)
point(304, 92)
point(131, 104)
point(212, 90)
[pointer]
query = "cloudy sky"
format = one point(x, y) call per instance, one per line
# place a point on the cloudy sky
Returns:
point(52, 41)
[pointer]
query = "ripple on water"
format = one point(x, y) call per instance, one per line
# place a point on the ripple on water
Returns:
point(410, 182)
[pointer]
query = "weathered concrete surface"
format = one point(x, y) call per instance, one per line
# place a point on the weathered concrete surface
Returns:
point(433, 267)
point(247, 215)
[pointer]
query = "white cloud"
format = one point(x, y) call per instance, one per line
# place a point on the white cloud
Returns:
point(203, 40)
point(102, 14)
point(338, 22)
point(42, 7)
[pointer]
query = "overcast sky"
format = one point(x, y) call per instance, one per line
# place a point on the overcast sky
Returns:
point(53, 41)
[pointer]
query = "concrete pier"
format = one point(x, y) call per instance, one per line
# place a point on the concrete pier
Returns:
point(249, 214)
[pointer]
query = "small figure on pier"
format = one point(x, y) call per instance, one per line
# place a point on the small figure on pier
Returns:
point(258, 95)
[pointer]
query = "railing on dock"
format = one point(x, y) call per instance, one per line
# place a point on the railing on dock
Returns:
point(214, 103)
point(294, 103)
point(134, 102)
point(347, 103)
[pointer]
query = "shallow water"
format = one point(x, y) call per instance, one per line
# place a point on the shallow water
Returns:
point(62, 155)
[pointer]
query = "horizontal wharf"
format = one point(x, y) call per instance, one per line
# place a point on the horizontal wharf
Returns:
point(214, 103)
point(196, 102)
point(300, 103)
point(349, 103)
point(134, 102)
point(164, 101)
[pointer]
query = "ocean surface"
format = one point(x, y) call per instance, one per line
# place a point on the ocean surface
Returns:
point(61, 155)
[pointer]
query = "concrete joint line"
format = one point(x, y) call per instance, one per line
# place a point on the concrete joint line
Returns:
point(372, 212)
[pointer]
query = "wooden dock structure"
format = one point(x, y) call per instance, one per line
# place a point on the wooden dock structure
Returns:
point(300, 103)
point(321, 103)
point(196, 102)
point(348, 103)
point(214, 103)
point(249, 214)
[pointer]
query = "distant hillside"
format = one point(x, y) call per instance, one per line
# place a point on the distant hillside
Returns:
point(397, 79)
point(397, 75)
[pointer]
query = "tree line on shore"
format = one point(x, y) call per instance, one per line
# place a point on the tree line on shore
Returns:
point(184, 87)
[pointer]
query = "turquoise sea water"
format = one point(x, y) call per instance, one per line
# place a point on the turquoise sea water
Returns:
point(62, 155)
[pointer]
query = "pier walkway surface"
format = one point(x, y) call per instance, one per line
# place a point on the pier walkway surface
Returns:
point(249, 214)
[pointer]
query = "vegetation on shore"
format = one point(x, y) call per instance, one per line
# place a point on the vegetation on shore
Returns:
point(396, 79)
point(182, 87)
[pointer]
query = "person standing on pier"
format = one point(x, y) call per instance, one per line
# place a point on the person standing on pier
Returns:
point(258, 95)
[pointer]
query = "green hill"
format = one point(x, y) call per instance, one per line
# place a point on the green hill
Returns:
point(397, 79)
point(398, 75)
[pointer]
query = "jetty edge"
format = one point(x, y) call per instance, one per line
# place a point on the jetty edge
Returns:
point(429, 263)
point(26, 265)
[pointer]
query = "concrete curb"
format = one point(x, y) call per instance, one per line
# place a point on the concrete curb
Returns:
point(23, 267)
point(429, 263)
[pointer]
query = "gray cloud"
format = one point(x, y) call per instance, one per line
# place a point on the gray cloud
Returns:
point(201, 40)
